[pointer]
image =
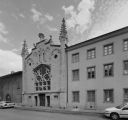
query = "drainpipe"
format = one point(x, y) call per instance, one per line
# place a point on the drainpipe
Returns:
point(67, 74)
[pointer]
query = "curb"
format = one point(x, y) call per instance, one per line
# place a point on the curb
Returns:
point(61, 111)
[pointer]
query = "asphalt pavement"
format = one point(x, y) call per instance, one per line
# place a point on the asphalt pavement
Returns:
point(64, 111)
point(18, 114)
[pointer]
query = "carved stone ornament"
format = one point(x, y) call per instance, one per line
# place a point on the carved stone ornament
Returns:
point(55, 53)
point(47, 55)
point(30, 62)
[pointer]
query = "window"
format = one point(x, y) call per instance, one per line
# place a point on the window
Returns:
point(108, 49)
point(91, 53)
point(91, 72)
point(29, 97)
point(126, 95)
point(42, 74)
point(108, 70)
point(56, 96)
point(125, 67)
point(91, 96)
point(75, 75)
point(75, 58)
point(108, 95)
point(125, 45)
point(75, 95)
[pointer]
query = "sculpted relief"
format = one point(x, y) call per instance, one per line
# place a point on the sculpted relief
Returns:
point(43, 56)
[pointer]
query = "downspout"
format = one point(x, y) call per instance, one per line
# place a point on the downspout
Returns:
point(67, 73)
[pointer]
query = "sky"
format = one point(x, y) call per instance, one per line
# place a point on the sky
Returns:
point(23, 19)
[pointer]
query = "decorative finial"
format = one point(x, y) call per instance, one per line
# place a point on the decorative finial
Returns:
point(63, 31)
point(24, 49)
point(41, 36)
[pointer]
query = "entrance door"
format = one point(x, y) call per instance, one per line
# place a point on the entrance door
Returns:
point(42, 99)
point(36, 102)
point(48, 101)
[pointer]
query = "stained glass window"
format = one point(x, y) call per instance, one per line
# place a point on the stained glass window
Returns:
point(42, 75)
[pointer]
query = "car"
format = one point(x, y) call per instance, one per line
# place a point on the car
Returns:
point(6, 104)
point(117, 112)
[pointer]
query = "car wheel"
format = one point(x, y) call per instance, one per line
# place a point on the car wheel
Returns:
point(114, 116)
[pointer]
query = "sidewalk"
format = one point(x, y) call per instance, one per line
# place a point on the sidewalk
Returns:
point(58, 110)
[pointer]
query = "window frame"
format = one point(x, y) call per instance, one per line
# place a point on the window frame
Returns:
point(110, 97)
point(91, 67)
point(91, 96)
point(90, 50)
point(124, 44)
point(76, 99)
point(124, 98)
point(124, 67)
point(107, 45)
point(75, 75)
point(109, 70)
point(74, 60)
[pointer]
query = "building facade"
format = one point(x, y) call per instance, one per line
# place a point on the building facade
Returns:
point(89, 75)
point(11, 87)
point(44, 75)
point(98, 71)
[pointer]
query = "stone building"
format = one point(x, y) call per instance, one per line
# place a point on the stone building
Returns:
point(89, 75)
point(44, 76)
point(11, 87)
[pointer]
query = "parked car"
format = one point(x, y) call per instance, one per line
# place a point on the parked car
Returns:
point(117, 112)
point(6, 104)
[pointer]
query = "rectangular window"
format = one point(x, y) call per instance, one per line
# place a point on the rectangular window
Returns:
point(75, 95)
point(108, 95)
point(91, 53)
point(108, 49)
point(75, 75)
point(75, 58)
point(91, 73)
point(126, 95)
point(125, 67)
point(91, 96)
point(125, 45)
point(108, 70)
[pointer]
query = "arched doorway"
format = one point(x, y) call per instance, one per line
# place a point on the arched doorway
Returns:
point(8, 97)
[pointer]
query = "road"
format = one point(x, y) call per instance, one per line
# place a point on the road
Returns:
point(14, 114)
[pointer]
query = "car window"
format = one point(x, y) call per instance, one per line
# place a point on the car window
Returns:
point(125, 108)
point(120, 106)
point(8, 102)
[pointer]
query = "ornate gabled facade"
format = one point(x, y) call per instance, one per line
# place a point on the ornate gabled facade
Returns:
point(44, 72)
